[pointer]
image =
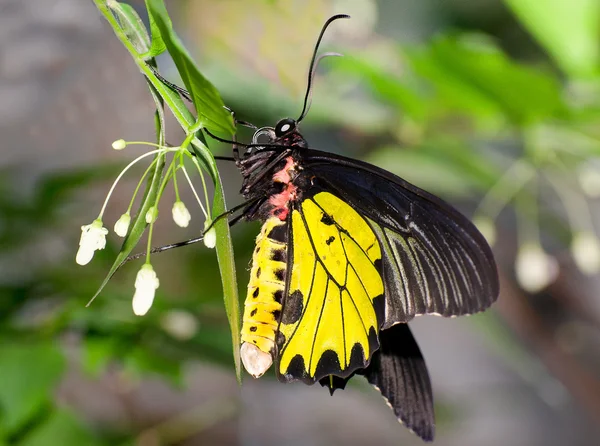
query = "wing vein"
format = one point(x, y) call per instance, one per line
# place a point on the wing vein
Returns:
point(312, 349)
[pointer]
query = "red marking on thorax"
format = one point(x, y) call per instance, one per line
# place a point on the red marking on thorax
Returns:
point(280, 201)
point(283, 176)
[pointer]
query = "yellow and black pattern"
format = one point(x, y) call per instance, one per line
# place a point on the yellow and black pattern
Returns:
point(334, 302)
point(435, 261)
point(262, 308)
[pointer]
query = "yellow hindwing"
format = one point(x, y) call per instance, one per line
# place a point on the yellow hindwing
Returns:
point(334, 304)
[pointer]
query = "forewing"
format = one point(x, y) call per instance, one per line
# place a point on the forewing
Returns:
point(333, 304)
point(434, 259)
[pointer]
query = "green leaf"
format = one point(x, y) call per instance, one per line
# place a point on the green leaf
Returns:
point(568, 29)
point(158, 44)
point(225, 258)
point(61, 428)
point(132, 25)
point(206, 98)
point(467, 159)
point(30, 372)
point(387, 86)
point(140, 362)
point(473, 75)
point(97, 353)
point(203, 155)
point(171, 98)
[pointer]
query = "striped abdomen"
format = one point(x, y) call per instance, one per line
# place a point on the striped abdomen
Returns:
point(262, 308)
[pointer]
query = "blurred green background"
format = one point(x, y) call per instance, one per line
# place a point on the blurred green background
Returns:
point(493, 105)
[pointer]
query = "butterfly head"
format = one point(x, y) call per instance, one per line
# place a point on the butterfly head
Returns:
point(284, 127)
point(285, 134)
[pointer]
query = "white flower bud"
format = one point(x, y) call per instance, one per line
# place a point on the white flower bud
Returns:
point(182, 325)
point(588, 175)
point(181, 215)
point(535, 269)
point(93, 238)
point(122, 225)
point(151, 215)
point(146, 284)
point(210, 236)
point(487, 228)
point(585, 249)
point(119, 144)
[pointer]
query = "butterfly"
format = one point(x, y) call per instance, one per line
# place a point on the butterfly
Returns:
point(348, 254)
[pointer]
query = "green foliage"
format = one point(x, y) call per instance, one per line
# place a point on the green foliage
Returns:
point(210, 113)
point(471, 75)
point(29, 374)
point(569, 30)
point(207, 101)
point(61, 427)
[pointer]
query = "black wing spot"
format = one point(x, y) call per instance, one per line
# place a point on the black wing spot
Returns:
point(330, 240)
point(258, 271)
point(327, 219)
point(357, 357)
point(294, 304)
point(278, 233)
point(280, 274)
point(329, 364)
point(373, 341)
point(257, 250)
point(253, 312)
point(253, 328)
point(276, 314)
point(278, 296)
point(279, 255)
point(378, 264)
point(296, 369)
point(256, 291)
point(379, 306)
point(279, 339)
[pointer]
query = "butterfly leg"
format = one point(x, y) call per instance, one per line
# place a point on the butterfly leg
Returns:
point(182, 91)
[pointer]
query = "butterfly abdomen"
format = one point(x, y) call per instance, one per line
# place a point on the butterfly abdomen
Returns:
point(262, 309)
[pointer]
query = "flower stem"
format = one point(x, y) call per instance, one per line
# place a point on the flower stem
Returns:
point(511, 182)
point(197, 164)
point(182, 167)
point(528, 229)
point(137, 188)
point(179, 161)
point(112, 188)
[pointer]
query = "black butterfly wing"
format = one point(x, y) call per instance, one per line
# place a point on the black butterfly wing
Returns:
point(399, 372)
point(434, 259)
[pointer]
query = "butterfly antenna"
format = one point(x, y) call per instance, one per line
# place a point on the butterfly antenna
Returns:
point(315, 61)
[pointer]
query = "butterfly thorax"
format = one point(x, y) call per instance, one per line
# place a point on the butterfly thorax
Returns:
point(271, 171)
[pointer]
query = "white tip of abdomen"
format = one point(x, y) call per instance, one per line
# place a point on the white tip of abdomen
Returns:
point(256, 362)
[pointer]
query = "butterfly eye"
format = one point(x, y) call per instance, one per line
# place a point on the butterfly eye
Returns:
point(284, 126)
point(264, 135)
